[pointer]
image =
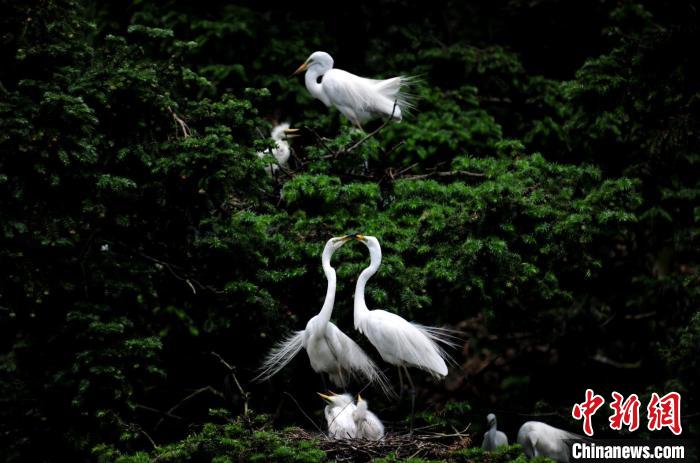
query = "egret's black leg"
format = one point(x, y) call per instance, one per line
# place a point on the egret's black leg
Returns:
point(323, 383)
point(401, 386)
point(413, 399)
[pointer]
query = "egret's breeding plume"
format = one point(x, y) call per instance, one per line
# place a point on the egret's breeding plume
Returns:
point(540, 439)
point(330, 350)
point(281, 152)
point(339, 416)
point(368, 424)
point(358, 98)
point(493, 438)
point(399, 342)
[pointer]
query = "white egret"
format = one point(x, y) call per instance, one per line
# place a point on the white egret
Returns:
point(399, 342)
point(330, 350)
point(358, 98)
point(541, 439)
point(493, 438)
point(368, 424)
point(282, 151)
point(339, 416)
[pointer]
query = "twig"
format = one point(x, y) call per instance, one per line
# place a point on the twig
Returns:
point(374, 132)
point(189, 397)
point(452, 173)
point(232, 372)
point(304, 413)
point(160, 412)
point(183, 125)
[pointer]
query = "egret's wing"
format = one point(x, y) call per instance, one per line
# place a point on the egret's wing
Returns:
point(354, 360)
point(280, 355)
point(349, 90)
point(407, 342)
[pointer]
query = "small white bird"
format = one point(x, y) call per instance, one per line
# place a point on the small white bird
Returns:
point(330, 350)
point(358, 98)
point(280, 134)
point(399, 342)
point(493, 438)
point(368, 424)
point(540, 439)
point(339, 416)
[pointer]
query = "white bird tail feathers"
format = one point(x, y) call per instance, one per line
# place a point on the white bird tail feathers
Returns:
point(280, 355)
point(444, 336)
point(393, 92)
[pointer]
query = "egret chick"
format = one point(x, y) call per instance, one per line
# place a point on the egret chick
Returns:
point(281, 152)
point(493, 438)
point(541, 439)
point(368, 425)
point(357, 98)
point(399, 342)
point(339, 416)
point(330, 350)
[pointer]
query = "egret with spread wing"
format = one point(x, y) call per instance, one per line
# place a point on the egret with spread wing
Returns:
point(330, 350)
point(358, 98)
point(399, 342)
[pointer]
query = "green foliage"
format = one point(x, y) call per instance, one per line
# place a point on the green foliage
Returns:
point(222, 443)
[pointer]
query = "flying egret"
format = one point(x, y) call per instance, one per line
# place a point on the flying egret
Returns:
point(358, 98)
point(330, 350)
point(339, 416)
point(493, 438)
point(368, 424)
point(281, 152)
point(399, 342)
point(540, 439)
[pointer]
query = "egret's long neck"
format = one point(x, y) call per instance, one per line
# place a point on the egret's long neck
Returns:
point(360, 305)
point(328, 303)
point(313, 86)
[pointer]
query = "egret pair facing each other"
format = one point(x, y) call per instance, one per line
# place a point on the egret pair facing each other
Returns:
point(399, 342)
point(358, 98)
point(347, 420)
point(536, 439)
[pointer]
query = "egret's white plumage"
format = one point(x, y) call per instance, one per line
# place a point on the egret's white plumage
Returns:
point(330, 350)
point(493, 438)
point(368, 424)
point(399, 342)
point(541, 439)
point(339, 416)
point(357, 98)
point(282, 151)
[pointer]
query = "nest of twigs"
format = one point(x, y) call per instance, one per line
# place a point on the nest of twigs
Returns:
point(432, 446)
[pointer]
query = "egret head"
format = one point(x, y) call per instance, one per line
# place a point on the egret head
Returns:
point(318, 59)
point(282, 131)
point(336, 400)
point(361, 410)
point(372, 243)
point(491, 419)
point(337, 242)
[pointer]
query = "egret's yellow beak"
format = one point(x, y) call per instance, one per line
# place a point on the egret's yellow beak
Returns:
point(301, 68)
point(291, 133)
point(327, 398)
point(359, 397)
point(359, 237)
